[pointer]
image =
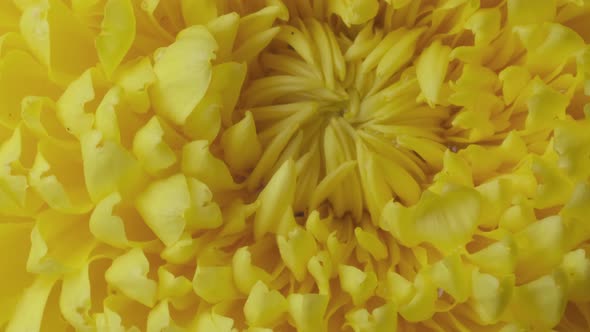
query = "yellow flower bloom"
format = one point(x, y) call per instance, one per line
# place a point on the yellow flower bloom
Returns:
point(294, 165)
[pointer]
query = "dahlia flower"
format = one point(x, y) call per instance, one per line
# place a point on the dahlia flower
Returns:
point(294, 165)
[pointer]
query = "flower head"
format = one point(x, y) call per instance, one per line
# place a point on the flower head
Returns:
point(294, 165)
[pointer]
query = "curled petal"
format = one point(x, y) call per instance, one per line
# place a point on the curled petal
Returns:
point(296, 248)
point(163, 205)
point(491, 295)
point(246, 275)
point(108, 167)
point(215, 284)
point(44, 25)
point(177, 67)
point(159, 318)
point(151, 149)
point(539, 303)
point(264, 307)
point(213, 322)
point(198, 161)
point(307, 311)
point(106, 226)
point(359, 284)
point(544, 238)
point(455, 214)
point(128, 273)
point(75, 300)
point(549, 45)
point(235, 138)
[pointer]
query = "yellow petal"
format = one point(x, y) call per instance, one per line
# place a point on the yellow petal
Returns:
point(549, 46)
point(382, 319)
point(163, 205)
point(106, 226)
point(151, 149)
point(44, 25)
point(252, 47)
point(106, 115)
point(70, 106)
point(544, 238)
point(183, 72)
point(214, 323)
point(159, 318)
point(116, 35)
point(371, 242)
point(517, 217)
point(13, 188)
point(235, 138)
point(455, 214)
point(399, 53)
point(224, 28)
point(358, 284)
point(540, 303)
point(198, 161)
point(246, 274)
point(235, 216)
point(14, 249)
point(215, 284)
point(574, 155)
point(226, 80)
point(398, 289)
point(422, 305)
point(198, 11)
point(321, 268)
point(576, 267)
point(203, 213)
point(545, 106)
point(264, 307)
point(204, 122)
point(354, 12)
point(276, 199)
point(174, 289)
point(522, 12)
point(21, 76)
point(431, 70)
point(496, 198)
point(554, 187)
point(42, 178)
point(108, 167)
point(49, 253)
point(75, 301)
point(128, 274)
point(514, 80)
point(218, 104)
point(296, 249)
point(485, 24)
point(109, 321)
point(29, 311)
point(135, 77)
point(498, 258)
point(491, 295)
point(307, 311)
point(453, 276)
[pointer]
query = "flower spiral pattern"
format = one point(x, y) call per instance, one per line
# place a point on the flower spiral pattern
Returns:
point(294, 165)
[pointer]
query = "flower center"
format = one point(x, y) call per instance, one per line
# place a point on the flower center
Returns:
point(331, 98)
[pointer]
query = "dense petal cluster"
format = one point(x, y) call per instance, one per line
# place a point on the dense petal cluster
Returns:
point(294, 165)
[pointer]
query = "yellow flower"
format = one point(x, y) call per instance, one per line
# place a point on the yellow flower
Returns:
point(294, 165)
